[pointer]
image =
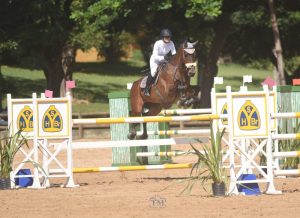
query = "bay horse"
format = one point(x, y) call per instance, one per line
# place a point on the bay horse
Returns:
point(173, 83)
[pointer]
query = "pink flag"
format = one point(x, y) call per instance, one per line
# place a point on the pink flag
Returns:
point(48, 93)
point(296, 82)
point(70, 84)
point(269, 81)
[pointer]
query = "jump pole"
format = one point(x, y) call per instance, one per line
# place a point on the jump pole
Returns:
point(177, 132)
point(186, 111)
point(132, 168)
point(164, 154)
point(127, 168)
point(203, 117)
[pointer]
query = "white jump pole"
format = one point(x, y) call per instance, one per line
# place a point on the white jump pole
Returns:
point(177, 132)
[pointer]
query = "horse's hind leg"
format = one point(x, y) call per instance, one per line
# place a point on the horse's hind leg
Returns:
point(132, 134)
point(153, 109)
point(144, 134)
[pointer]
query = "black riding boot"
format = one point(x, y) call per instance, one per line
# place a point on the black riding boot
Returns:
point(148, 85)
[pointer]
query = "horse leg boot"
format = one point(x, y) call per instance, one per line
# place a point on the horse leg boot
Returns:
point(144, 134)
point(148, 85)
point(131, 135)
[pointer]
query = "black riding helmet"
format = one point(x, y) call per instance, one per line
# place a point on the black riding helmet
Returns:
point(165, 33)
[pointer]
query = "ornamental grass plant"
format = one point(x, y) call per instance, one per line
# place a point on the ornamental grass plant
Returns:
point(209, 166)
point(9, 146)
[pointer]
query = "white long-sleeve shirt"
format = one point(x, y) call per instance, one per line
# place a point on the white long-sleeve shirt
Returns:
point(160, 49)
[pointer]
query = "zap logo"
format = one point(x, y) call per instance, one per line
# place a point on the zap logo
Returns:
point(248, 117)
point(52, 120)
point(25, 119)
point(224, 111)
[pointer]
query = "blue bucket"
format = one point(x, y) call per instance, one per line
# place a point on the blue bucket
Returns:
point(248, 188)
point(24, 181)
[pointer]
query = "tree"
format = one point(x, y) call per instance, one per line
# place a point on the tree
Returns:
point(43, 30)
point(279, 68)
point(145, 19)
point(250, 42)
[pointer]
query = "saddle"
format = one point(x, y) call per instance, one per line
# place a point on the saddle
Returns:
point(158, 71)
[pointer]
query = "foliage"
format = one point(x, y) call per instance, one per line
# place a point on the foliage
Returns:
point(9, 146)
point(208, 8)
point(209, 164)
point(95, 80)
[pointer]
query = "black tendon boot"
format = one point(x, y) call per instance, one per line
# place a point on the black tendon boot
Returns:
point(148, 85)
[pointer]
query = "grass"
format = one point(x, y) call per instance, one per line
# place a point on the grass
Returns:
point(95, 80)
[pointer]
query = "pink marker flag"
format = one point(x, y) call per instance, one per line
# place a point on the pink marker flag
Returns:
point(296, 82)
point(269, 81)
point(48, 93)
point(70, 84)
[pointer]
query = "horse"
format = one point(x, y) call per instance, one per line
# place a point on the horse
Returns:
point(173, 83)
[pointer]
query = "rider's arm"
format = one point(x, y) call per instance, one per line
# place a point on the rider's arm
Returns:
point(155, 52)
point(173, 50)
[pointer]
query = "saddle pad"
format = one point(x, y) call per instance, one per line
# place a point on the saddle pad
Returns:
point(144, 81)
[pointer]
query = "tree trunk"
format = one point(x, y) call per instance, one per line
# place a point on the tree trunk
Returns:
point(210, 68)
point(279, 69)
point(2, 83)
point(68, 61)
point(58, 69)
point(53, 72)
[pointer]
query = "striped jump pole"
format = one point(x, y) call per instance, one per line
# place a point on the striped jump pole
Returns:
point(287, 172)
point(286, 115)
point(128, 168)
point(132, 168)
point(286, 136)
point(202, 117)
point(287, 154)
point(177, 132)
point(163, 154)
point(124, 143)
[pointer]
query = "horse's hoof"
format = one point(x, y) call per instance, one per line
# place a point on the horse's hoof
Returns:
point(131, 135)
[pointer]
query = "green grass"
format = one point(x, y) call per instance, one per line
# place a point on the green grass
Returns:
point(233, 76)
point(95, 80)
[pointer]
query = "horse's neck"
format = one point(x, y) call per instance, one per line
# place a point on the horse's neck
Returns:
point(177, 60)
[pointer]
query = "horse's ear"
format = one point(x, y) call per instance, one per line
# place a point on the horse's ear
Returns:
point(191, 44)
point(194, 43)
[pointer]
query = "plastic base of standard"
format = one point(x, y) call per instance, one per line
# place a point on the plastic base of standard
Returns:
point(25, 181)
point(248, 188)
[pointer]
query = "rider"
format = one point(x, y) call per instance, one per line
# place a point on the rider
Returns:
point(162, 51)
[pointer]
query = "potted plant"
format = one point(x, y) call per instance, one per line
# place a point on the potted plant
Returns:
point(209, 164)
point(9, 146)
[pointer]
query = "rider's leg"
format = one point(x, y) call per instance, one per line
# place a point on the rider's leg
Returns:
point(150, 79)
point(148, 85)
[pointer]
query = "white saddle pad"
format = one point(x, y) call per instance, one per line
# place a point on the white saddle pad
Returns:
point(143, 82)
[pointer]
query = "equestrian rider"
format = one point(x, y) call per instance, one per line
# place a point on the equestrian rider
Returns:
point(162, 51)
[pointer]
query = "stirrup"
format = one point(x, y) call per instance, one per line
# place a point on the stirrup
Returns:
point(147, 92)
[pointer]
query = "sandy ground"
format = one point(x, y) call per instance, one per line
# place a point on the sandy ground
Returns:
point(141, 194)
